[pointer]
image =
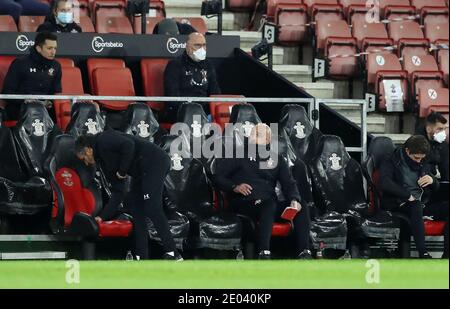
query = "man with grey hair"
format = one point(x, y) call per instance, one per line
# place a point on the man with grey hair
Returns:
point(190, 75)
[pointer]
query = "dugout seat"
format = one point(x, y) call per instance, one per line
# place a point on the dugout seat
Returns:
point(221, 111)
point(113, 82)
point(86, 24)
point(142, 123)
point(96, 63)
point(408, 37)
point(5, 62)
point(85, 119)
point(152, 71)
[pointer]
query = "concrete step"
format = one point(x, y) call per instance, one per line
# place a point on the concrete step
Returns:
point(248, 38)
point(278, 54)
point(230, 21)
point(182, 7)
point(347, 111)
point(375, 124)
point(398, 139)
point(321, 90)
point(294, 73)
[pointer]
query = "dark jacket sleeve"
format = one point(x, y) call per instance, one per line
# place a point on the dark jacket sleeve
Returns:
point(172, 76)
point(443, 164)
point(214, 87)
point(388, 184)
point(12, 78)
point(46, 26)
point(117, 197)
point(57, 88)
point(288, 184)
point(224, 170)
point(121, 144)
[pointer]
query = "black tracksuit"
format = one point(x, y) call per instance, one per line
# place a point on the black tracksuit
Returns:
point(233, 172)
point(398, 179)
point(31, 74)
point(51, 25)
point(148, 166)
point(438, 156)
point(184, 77)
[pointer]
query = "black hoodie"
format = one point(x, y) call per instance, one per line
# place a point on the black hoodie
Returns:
point(51, 25)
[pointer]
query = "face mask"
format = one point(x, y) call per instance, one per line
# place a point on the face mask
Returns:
point(440, 137)
point(199, 54)
point(65, 17)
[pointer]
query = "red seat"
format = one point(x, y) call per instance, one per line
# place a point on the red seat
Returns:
point(433, 99)
point(112, 24)
point(399, 13)
point(157, 8)
point(436, 32)
point(408, 37)
point(420, 4)
point(281, 229)
point(241, 5)
point(434, 228)
point(443, 63)
point(66, 62)
point(86, 24)
point(346, 4)
point(72, 84)
point(384, 4)
point(95, 63)
point(113, 82)
point(5, 62)
point(358, 12)
point(83, 7)
point(150, 24)
point(152, 71)
point(322, 11)
point(30, 23)
point(402, 76)
point(221, 111)
point(431, 14)
point(115, 228)
point(381, 62)
point(291, 19)
point(198, 23)
point(367, 32)
point(7, 23)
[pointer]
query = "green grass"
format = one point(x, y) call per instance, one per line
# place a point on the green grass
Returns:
point(226, 274)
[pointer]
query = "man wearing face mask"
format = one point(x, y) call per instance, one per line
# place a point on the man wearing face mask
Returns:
point(36, 73)
point(407, 184)
point(190, 75)
point(434, 130)
point(61, 19)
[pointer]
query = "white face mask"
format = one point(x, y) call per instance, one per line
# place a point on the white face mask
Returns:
point(65, 17)
point(440, 136)
point(199, 54)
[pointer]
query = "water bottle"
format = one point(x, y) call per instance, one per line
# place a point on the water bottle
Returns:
point(129, 256)
point(319, 254)
point(347, 255)
point(240, 256)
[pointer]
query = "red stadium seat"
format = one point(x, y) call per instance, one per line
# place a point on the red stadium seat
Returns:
point(198, 23)
point(5, 62)
point(221, 111)
point(281, 229)
point(83, 7)
point(95, 63)
point(399, 13)
point(431, 14)
point(86, 24)
point(381, 62)
point(66, 62)
point(7, 23)
point(436, 32)
point(434, 228)
point(152, 71)
point(381, 91)
point(360, 13)
point(420, 4)
point(363, 31)
point(113, 82)
point(433, 99)
point(443, 63)
point(324, 12)
point(157, 8)
point(346, 4)
point(384, 4)
point(291, 19)
point(30, 23)
point(241, 5)
point(151, 23)
point(408, 37)
point(112, 24)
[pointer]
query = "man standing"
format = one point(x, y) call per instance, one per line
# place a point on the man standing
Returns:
point(407, 185)
point(36, 73)
point(61, 19)
point(190, 75)
point(120, 155)
point(434, 131)
point(251, 183)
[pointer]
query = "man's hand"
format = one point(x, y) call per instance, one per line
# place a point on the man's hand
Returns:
point(120, 176)
point(98, 219)
point(243, 189)
point(425, 181)
point(411, 198)
point(296, 205)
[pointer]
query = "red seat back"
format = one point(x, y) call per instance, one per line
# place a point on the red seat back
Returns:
point(151, 23)
point(221, 111)
point(152, 71)
point(433, 99)
point(95, 63)
point(7, 23)
point(113, 82)
point(30, 23)
point(5, 62)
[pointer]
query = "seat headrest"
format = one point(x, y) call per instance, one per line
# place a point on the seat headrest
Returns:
point(35, 119)
point(190, 112)
point(180, 145)
point(63, 150)
point(332, 152)
point(85, 119)
point(167, 26)
point(141, 121)
point(380, 149)
point(294, 120)
point(241, 113)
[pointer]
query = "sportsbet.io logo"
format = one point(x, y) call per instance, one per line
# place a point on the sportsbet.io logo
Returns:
point(173, 46)
point(98, 44)
point(22, 43)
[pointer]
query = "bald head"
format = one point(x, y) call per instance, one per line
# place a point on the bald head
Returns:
point(261, 134)
point(194, 45)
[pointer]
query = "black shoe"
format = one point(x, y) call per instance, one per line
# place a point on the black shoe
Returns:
point(265, 255)
point(305, 255)
point(426, 255)
point(173, 257)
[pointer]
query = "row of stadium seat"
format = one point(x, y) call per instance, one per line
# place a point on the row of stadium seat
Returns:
point(105, 24)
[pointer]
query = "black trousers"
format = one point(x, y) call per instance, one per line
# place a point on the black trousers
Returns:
point(415, 211)
point(145, 200)
point(264, 215)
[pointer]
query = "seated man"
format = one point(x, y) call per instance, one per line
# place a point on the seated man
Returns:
point(406, 185)
point(15, 8)
point(37, 73)
point(169, 26)
point(251, 183)
point(61, 19)
point(434, 131)
point(190, 75)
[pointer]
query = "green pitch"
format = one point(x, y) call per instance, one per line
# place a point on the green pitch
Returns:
point(228, 274)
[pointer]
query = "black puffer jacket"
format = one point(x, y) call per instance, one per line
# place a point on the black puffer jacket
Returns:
point(51, 25)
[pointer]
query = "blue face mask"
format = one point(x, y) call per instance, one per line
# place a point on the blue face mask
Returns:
point(65, 17)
